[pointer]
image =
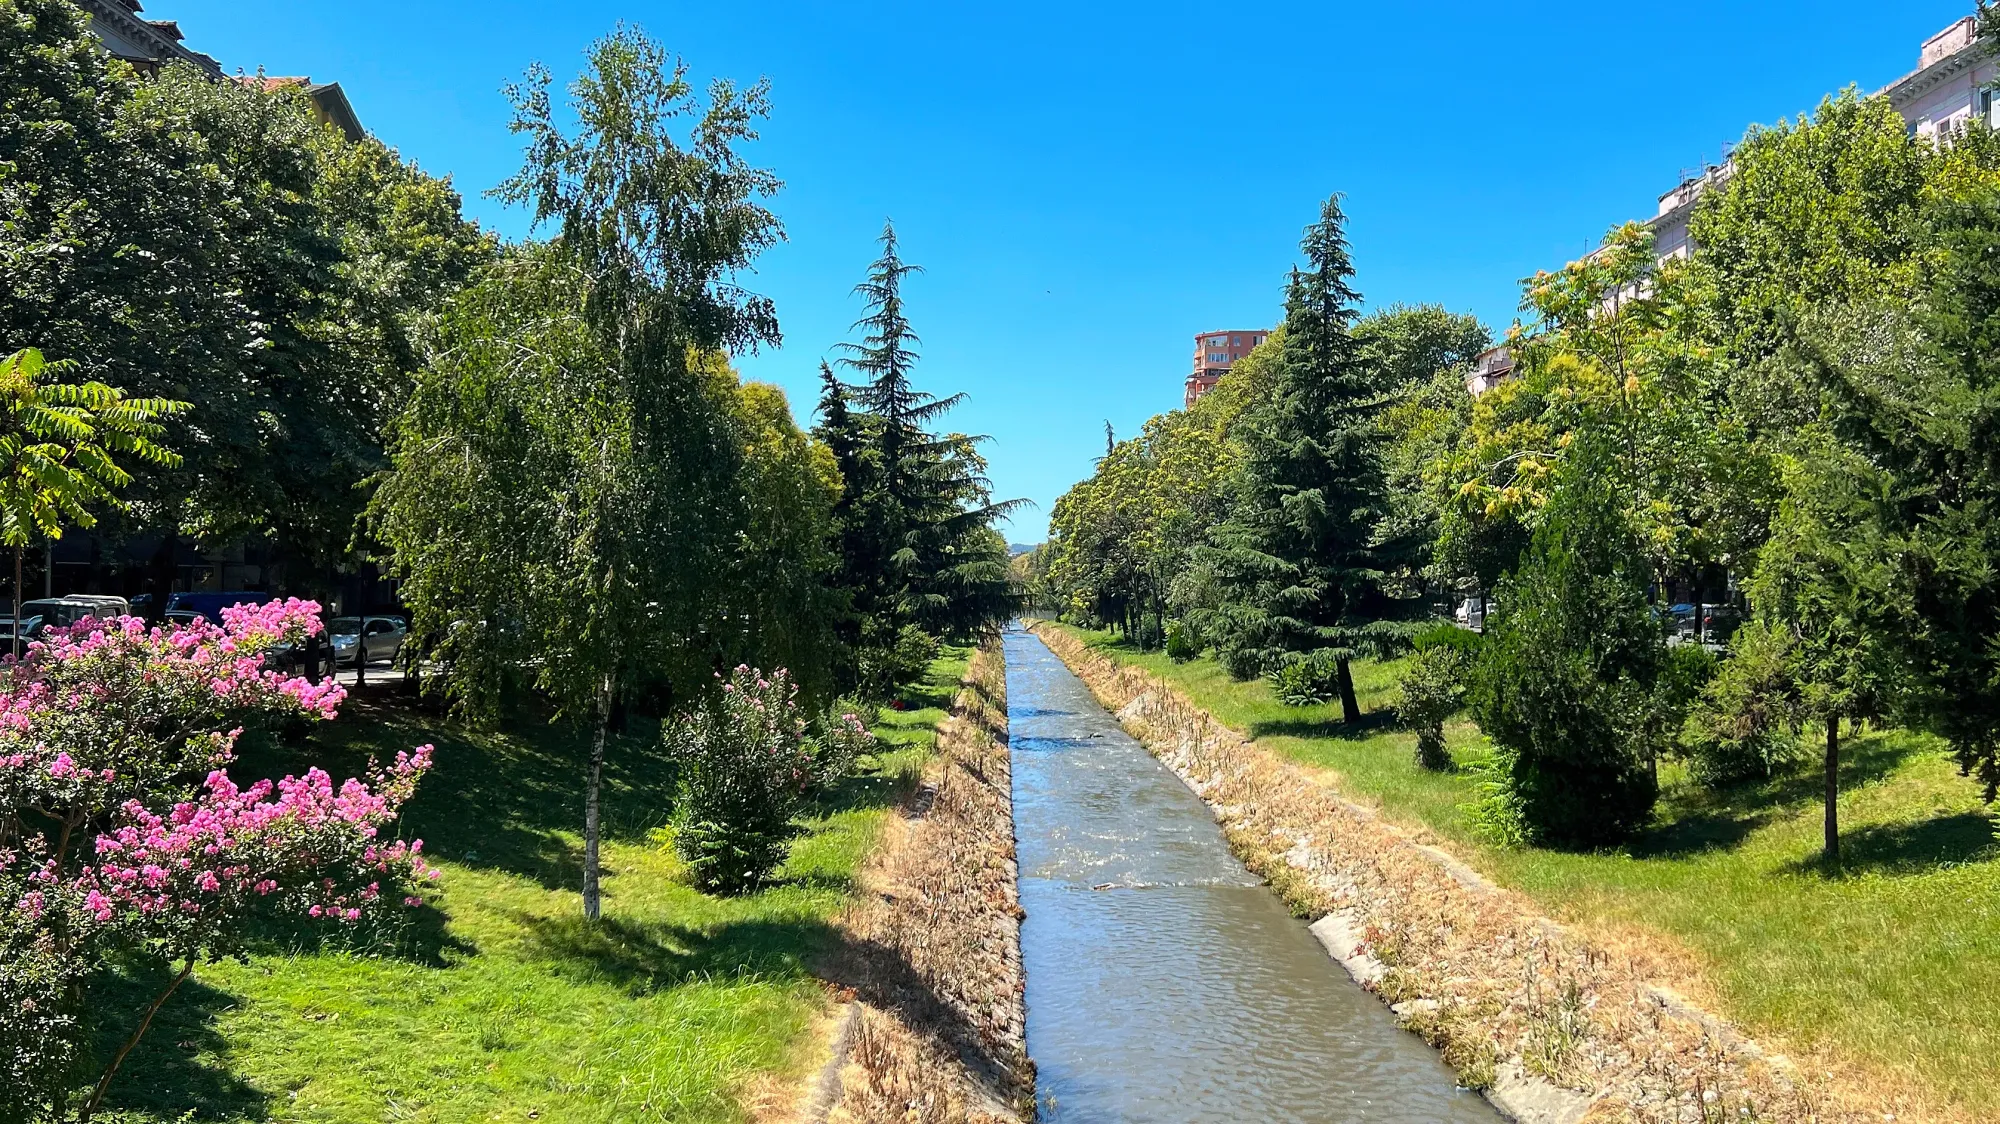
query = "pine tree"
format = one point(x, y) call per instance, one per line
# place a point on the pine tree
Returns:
point(920, 558)
point(1296, 558)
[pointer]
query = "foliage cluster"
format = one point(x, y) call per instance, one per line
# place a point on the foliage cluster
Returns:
point(214, 243)
point(1792, 422)
point(123, 837)
point(747, 767)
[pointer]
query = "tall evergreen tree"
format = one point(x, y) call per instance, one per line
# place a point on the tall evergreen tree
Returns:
point(1296, 559)
point(920, 560)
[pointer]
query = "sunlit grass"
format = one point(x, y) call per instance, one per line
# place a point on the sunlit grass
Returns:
point(1892, 962)
point(506, 1006)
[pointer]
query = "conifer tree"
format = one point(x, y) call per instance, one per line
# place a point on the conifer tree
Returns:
point(1296, 558)
point(920, 559)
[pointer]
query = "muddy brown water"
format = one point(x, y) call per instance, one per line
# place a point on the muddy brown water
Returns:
point(1165, 982)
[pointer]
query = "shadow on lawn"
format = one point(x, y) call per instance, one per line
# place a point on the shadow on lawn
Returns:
point(1332, 728)
point(648, 957)
point(509, 800)
point(1904, 849)
point(1698, 820)
point(181, 1064)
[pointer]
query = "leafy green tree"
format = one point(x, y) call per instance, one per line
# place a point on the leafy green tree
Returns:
point(1297, 560)
point(1565, 686)
point(566, 493)
point(1435, 687)
point(60, 444)
point(212, 242)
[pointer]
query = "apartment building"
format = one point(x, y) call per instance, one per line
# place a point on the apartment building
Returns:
point(1215, 353)
point(1952, 84)
point(146, 44)
point(150, 44)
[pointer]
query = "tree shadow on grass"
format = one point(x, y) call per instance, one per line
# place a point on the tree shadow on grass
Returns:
point(1333, 728)
point(1696, 820)
point(643, 958)
point(1904, 849)
point(646, 958)
point(174, 1069)
point(509, 800)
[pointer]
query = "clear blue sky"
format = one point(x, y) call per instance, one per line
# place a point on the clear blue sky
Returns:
point(1090, 184)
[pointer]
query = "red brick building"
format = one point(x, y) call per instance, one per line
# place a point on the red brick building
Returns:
point(1215, 353)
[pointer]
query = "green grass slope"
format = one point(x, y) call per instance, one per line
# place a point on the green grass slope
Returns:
point(505, 1006)
point(1891, 962)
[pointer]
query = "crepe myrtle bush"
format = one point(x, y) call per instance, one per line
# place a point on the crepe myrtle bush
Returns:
point(748, 765)
point(122, 834)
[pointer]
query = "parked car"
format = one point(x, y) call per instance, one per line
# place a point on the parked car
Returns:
point(381, 638)
point(107, 605)
point(1472, 613)
point(61, 612)
point(210, 605)
point(1680, 620)
point(1720, 622)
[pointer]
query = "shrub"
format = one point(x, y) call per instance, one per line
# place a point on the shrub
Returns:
point(127, 839)
point(1306, 678)
point(746, 770)
point(1434, 688)
point(1182, 644)
point(1566, 681)
point(1240, 661)
point(1745, 725)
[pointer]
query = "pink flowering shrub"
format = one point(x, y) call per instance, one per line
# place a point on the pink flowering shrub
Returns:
point(746, 769)
point(122, 833)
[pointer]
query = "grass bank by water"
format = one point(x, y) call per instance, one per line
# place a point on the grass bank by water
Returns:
point(507, 1007)
point(1887, 964)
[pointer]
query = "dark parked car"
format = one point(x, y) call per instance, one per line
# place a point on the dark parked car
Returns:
point(1720, 623)
point(210, 605)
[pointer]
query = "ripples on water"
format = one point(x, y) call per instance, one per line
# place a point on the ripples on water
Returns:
point(1165, 983)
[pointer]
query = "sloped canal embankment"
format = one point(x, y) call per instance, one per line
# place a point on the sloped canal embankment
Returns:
point(1164, 981)
point(932, 952)
point(1553, 1026)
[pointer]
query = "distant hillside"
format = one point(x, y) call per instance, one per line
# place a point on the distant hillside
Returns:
point(1015, 549)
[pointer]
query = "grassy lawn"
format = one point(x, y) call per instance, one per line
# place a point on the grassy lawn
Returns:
point(505, 1005)
point(1891, 963)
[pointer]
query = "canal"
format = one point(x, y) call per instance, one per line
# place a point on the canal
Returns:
point(1164, 981)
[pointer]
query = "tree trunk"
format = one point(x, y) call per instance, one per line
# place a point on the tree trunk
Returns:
point(592, 898)
point(104, 1082)
point(1350, 707)
point(17, 602)
point(164, 569)
point(1833, 790)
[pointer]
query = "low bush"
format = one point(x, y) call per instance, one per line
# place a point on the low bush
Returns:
point(747, 768)
point(1183, 645)
point(1306, 679)
point(1435, 685)
point(1745, 724)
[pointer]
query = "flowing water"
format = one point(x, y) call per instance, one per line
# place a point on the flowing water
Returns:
point(1165, 982)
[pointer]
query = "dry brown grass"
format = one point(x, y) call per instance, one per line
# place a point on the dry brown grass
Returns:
point(1474, 969)
point(933, 949)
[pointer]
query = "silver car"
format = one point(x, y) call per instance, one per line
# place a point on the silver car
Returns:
point(380, 637)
